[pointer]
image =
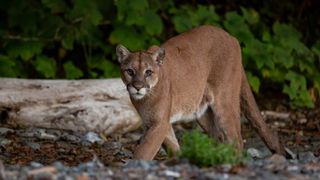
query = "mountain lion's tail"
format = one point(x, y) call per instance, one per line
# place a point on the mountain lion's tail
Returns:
point(251, 111)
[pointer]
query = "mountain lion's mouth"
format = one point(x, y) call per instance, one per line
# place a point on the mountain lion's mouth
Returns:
point(137, 95)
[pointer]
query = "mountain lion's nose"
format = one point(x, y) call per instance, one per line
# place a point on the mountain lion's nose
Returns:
point(138, 85)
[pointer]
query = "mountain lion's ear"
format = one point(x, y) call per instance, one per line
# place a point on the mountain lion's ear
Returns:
point(158, 56)
point(122, 53)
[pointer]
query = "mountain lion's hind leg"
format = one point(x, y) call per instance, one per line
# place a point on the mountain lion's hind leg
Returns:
point(207, 123)
point(217, 123)
point(227, 121)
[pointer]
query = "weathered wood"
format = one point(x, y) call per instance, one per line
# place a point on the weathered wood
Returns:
point(102, 106)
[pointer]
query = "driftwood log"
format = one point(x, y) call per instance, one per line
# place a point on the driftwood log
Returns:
point(102, 106)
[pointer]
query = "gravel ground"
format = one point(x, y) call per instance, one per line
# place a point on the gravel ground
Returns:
point(37, 153)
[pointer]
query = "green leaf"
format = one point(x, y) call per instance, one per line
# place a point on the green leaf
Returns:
point(156, 26)
point(316, 48)
point(181, 23)
point(87, 10)
point(236, 25)
point(67, 42)
point(250, 15)
point(26, 50)
point(128, 37)
point(71, 71)
point(254, 82)
point(316, 83)
point(46, 66)
point(266, 37)
point(7, 67)
point(56, 6)
point(297, 90)
point(109, 69)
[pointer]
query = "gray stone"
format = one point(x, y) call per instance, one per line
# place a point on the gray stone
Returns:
point(4, 142)
point(162, 152)
point(290, 153)
point(277, 159)
point(254, 153)
point(33, 145)
point(112, 145)
point(70, 137)
point(146, 165)
point(42, 175)
point(43, 135)
point(171, 173)
point(91, 137)
point(55, 132)
point(306, 157)
point(24, 133)
point(35, 164)
point(4, 131)
point(58, 165)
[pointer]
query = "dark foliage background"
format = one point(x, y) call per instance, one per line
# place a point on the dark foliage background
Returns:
point(76, 38)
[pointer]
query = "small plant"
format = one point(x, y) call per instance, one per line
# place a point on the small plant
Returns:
point(205, 151)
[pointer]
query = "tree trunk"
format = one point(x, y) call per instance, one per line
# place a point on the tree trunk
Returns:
point(102, 106)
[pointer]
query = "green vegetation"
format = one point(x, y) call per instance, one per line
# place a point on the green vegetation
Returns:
point(202, 150)
point(76, 39)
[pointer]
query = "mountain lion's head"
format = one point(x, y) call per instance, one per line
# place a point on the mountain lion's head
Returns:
point(140, 70)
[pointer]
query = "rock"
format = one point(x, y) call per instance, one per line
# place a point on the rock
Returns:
point(55, 132)
point(41, 176)
point(4, 131)
point(254, 153)
point(290, 153)
point(58, 165)
point(162, 152)
point(43, 135)
point(33, 145)
point(293, 168)
point(124, 153)
point(277, 159)
point(306, 157)
point(29, 133)
point(145, 165)
point(170, 173)
point(112, 145)
point(35, 164)
point(70, 137)
point(91, 137)
point(4, 142)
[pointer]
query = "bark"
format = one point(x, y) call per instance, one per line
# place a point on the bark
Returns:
point(102, 106)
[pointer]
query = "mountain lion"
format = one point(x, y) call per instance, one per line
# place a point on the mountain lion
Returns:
point(195, 75)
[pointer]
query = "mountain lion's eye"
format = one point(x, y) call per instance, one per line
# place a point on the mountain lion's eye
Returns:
point(130, 72)
point(148, 72)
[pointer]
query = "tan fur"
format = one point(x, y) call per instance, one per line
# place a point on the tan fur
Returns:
point(195, 75)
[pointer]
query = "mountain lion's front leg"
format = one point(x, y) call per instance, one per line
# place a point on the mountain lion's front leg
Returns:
point(152, 141)
point(171, 142)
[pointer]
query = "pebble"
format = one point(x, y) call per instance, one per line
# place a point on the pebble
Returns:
point(171, 173)
point(91, 137)
point(140, 164)
point(35, 164)
point(277, 159)
point(70, 137)
point(43, 135)
point(254, 153)
point(4, 131)
point(33, 145)
point(306, 157)
point(4, 142)
point(291, 154)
